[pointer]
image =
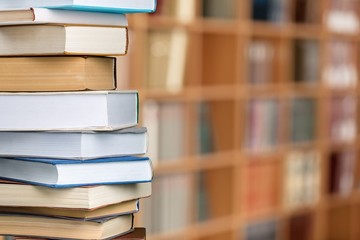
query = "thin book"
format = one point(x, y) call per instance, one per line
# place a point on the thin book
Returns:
point(114, 6)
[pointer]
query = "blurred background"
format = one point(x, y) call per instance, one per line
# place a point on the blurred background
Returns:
point(252, 109)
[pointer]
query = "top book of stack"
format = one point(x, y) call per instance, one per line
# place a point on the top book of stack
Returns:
point(112, 6)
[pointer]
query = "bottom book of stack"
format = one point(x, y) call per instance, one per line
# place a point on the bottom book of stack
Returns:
point(137, 234)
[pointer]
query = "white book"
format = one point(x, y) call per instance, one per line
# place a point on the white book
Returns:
point(118, 6)
point(74, 145)
point(40, 40)
point(44, 16)
point(61, 173)
point(99, 110)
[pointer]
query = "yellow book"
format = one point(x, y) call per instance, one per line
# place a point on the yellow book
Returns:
point(57, 73)
point(85, 214)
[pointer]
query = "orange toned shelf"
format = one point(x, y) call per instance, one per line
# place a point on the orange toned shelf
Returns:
point(210, 73)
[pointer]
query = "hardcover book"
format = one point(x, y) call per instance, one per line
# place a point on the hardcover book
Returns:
point(74, 145)
point(137, 234)
point(91, 197)
point(29, 40)
point(69, 73)
point(25, 225)
point(99, 110)
point(44, 15)
point(115, 6)
point(118, 209)
point(60, 173)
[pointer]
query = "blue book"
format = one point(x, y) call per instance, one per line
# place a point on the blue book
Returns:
point(111, 6)
point(61, 173)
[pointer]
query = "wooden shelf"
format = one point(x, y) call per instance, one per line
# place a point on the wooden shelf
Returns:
point(217, 83)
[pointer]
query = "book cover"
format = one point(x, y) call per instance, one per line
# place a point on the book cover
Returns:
point(81, 198)
point(62, 173)
point(79, 145)
point(113, 6)
point(88, 110)
point(47, 39)
point(24, 225)
point(69, 73)
point(114, 210)
point(46, 16)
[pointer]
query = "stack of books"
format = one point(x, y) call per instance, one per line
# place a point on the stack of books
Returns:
point(72, 162)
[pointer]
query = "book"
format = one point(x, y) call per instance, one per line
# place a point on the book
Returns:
point(74, 145)
point(306, 61)
point(172, 131)
point(341, 172)
point(25, 225)
point(261, 10)
point(69, 73)
point(262, 131)
point(115, 6)
point(118, 209)
point(91, 197)
point(61, 173)
point(181, 10)
point(205, 129)
point(343, 113)
point(306, 12)
point(44, 15)
point(219, 9)
point(137, 234)
point(167, 209)
point(342, 17)
point(301, 179)
point(168, 49)
point(165, 121)
point(47, 39)
point(261, 55)
point(262, 187)
point(341, 68)
point(99, 110)
point(303, 119)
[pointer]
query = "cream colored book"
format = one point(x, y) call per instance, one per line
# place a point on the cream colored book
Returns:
point(69, 73)
point(70, 198)
point(118, 209)
point(25, 225)
point(29, 40)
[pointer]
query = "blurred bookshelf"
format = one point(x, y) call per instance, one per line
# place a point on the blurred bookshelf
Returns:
point(252, 109)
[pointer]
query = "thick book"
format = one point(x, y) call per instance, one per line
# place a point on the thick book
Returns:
point(118, 209)
point(137, 234)
point(70, 198)
point(61, 173)
point(98, 110)
point(114, 6)
point(82, 145)
point(47, 39)
point(25, 225)
point(44, 15)
point(65, 73)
